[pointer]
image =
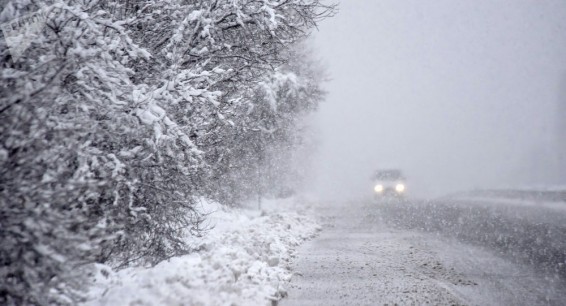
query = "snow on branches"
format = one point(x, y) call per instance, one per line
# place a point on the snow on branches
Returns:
point(120, 113)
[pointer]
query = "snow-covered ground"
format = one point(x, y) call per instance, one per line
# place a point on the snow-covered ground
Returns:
point(243, 260)
point(516, 202)
point(519, 196)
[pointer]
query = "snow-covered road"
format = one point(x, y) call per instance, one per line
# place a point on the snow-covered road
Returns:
point(371, 254)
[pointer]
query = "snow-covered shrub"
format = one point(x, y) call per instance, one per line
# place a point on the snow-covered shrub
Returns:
point(256, 157)
point(85, 179)
point(111, 124)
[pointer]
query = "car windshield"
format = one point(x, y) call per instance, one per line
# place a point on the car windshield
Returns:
point(388, 175)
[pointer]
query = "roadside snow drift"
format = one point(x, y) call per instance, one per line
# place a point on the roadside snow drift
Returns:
point(243, 260)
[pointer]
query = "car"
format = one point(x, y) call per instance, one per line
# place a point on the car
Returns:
point(389, 183)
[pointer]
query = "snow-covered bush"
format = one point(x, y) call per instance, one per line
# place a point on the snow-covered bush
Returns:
point(113, 121)
point(256, 156)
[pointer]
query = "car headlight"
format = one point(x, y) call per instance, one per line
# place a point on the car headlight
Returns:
point(378, 188)
point(400, 188)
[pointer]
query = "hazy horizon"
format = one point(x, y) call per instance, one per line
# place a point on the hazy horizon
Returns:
point(459, 95)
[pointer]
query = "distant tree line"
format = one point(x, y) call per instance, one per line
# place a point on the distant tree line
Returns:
point(120, 115)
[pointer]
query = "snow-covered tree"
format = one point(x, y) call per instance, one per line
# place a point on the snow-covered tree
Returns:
point(255, 157)
point(111, 123)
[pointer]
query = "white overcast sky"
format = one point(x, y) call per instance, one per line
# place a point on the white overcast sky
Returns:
point(458, 94)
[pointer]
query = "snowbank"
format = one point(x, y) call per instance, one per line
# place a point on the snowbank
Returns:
point(243, 260)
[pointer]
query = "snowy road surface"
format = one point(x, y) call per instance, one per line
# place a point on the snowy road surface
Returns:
point(444, 252)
